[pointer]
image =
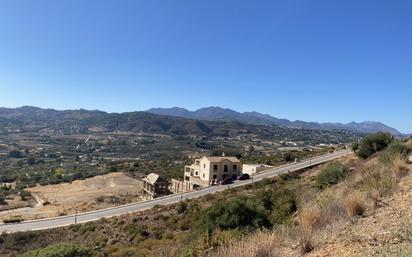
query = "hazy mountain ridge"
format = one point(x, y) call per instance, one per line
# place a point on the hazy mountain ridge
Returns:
point(32, 119)
point(221, 114)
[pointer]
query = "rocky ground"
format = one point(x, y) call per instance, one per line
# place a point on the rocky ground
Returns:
point(387, 231)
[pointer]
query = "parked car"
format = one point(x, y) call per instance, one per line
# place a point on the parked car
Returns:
point(244, 177)
point(226, 181)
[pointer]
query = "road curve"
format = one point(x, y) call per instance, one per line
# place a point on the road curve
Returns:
point(139, 206)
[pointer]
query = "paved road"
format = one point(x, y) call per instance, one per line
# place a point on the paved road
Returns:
point(139, 206)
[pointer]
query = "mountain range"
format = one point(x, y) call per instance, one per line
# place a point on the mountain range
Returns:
point(173, 119)
point(36, 120)
point(224, 114)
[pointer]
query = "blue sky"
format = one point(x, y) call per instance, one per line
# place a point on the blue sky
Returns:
point(310, 60)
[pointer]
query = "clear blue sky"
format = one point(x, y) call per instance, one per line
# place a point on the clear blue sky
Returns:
point(309, 60)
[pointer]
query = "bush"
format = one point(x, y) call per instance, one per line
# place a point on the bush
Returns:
point(31, 160)
point(354, 205)
point(16, 219)
point(15, 154)
point(60, 250)
point(330, 175)
point(239, 213)
point(2, 197)
point(377, 181)
point(373, 143)
point(24, 195)
point(395, 150)
point(308, 219)
point(16, 240)
point(280, 204)
point(259, 244)
point(181, 207)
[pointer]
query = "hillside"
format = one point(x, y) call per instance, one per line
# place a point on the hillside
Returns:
point(221, 114)
point(32, 119)
point(350, 207)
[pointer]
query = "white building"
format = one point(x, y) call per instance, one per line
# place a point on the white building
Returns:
point(252, 169)
point(209, 170)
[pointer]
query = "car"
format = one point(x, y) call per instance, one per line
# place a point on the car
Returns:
point(226, 181)
point(244, 177)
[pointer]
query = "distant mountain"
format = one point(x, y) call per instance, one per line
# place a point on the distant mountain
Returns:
point(222, 114)
point(29, 119)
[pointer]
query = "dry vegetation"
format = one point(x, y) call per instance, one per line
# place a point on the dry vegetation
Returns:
point(85, 195)
point(353, 207)
point(368, 214)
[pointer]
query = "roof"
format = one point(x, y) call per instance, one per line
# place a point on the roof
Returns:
point(221, 158)
point(256, 165)
point(152, 178)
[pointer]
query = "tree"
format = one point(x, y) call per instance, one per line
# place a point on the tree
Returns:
point(31, 160)
point(355, 146)
point(373, 143)
point(15, 154)
point(2, 197)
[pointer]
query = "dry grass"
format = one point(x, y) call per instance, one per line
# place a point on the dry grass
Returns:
point(377, 181)
point(308, 219)
point(261, 244)
point(355, 205)
point(400, 167)
point(331, 206)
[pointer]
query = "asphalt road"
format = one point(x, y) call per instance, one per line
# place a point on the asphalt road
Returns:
point(139, 206)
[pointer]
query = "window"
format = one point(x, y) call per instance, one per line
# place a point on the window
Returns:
point(214, 176)
point(225, 169)
point(203, 175)
point(204, 166)
point(234, 167)
point(197, 173)
point(215, 167)
point(187, 178)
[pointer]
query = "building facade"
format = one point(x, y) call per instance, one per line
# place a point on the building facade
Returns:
point(207, 171)
point(154, 186)
point(252, 169)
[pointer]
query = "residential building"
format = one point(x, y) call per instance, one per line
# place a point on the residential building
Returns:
point(154, 186)
point(252, 169)
point(210, 170)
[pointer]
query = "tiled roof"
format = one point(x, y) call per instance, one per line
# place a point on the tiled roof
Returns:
point(222, 158)
point(152, 178)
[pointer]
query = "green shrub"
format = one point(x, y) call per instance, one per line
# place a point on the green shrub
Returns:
point(332, 174)
point(394, 150)
point(2, 197)
point(239, 213)
point(24, 195)
point(15, 154)
point(373, 143)
point(280, 203)
point(16, 219)
point(60, 250)
point(15, 241)
point(181, 207)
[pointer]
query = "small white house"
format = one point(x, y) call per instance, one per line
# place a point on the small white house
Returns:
point(410, 158)
point(254, 168)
